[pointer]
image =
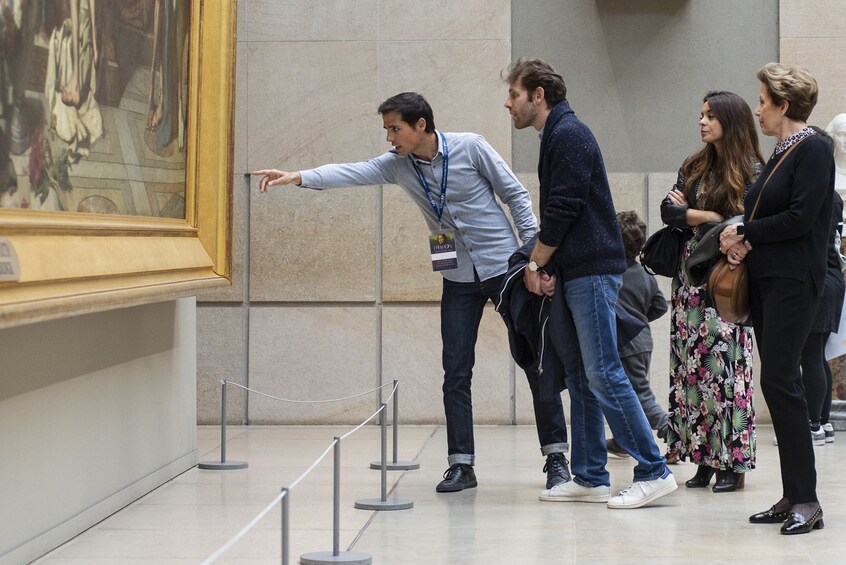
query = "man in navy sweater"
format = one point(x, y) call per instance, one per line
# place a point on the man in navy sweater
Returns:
point(579, 242)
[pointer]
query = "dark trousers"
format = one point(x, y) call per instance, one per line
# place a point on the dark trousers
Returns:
point(782, 314)
point(636, 366)
point(462, 305)
point(816, 376)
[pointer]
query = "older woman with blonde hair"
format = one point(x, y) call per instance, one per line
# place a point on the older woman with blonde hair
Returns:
point(784, 246)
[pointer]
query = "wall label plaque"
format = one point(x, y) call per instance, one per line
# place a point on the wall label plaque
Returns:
point(10, 269)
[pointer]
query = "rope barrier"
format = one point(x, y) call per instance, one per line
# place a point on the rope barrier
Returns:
point(373, 504)
point(307, 401)
point(225, 547)
point(361, 425)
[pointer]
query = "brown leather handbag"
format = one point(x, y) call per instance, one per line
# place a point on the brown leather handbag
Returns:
point(729, 288)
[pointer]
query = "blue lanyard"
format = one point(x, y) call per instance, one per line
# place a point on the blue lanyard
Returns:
point(439, 210)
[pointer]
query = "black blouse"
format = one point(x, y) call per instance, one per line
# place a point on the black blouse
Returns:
point(790, 230)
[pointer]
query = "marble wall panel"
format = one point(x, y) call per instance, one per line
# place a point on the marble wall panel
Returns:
point(312, 353)
point(220, 356)
point(311, 103)
point(459, 78)
point(301, 241)
point(406, 266)
point(443, 19)
point(411, 353)
point(313, 246)
point(608, 52)
point(241, 15)
point(657, 187)
point(629, 193)
point(812, 18)
point(823, 57)
point(296, 20)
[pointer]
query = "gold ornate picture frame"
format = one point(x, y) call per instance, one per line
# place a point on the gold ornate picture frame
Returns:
point(57, 264)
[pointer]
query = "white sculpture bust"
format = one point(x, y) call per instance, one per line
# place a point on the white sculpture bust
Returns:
point(837, 130)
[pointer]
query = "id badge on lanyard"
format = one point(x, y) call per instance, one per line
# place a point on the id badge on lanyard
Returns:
point(441, 243)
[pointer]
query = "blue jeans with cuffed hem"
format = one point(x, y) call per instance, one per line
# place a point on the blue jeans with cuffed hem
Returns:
point(599, 389)
point(462, 306)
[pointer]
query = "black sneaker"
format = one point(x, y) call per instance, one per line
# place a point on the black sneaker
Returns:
point(557, 470)
point(829, 432)
point(457, 477)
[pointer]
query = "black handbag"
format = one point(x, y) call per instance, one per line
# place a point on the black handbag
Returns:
point(661, 253)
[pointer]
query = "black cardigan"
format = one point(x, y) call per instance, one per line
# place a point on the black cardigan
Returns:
point(577, 213)
point(790, 231)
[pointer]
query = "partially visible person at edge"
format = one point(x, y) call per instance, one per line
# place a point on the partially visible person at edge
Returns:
point(836, 128)
point(579, 242)
point(816, 374)
point(641, 297)
point(454, 179)
point(712, 420)
point(784, 247)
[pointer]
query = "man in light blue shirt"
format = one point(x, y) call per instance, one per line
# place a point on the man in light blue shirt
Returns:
point(455, 179)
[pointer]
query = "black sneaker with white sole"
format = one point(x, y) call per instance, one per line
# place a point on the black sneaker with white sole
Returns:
point(557, 470)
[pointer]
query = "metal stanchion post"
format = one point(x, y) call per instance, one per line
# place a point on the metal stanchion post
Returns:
point(396, 465)
point(286, 494)
point(323, 557)
point(223, 464)
point(383, 503)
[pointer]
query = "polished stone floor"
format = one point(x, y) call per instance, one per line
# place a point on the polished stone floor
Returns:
point(191, 517)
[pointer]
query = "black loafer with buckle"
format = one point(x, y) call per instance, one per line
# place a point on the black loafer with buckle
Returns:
point(770, 516)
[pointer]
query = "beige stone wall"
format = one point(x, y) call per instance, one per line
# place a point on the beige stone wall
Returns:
point(813, 35)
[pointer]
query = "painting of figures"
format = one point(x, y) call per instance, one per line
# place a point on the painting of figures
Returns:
point(93, 106)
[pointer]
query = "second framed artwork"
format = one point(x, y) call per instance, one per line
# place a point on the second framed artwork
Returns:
point(104, 201)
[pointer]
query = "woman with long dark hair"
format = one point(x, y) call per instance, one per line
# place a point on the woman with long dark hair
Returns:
point(712, 421)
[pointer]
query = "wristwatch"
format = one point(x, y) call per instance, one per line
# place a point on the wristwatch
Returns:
point(741, 231)
point(533, 266)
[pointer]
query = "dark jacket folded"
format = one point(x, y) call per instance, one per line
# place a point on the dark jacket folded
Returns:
point(538, 326)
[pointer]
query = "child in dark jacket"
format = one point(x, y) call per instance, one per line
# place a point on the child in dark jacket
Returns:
point(641, 297)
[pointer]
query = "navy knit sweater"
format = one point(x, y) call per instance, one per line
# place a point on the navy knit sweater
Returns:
point(577, 213)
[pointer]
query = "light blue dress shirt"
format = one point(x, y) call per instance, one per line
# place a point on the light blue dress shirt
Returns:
point(484, 238)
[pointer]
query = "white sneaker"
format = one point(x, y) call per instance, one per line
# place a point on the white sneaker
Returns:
point(818, 436)
point(641, 493)
point(572, 491)
point(829, 432)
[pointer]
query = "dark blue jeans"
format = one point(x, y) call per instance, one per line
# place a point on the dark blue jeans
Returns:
point(462, 305)
point(599, 389)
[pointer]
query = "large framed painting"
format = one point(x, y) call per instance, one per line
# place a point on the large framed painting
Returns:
point(116, 121)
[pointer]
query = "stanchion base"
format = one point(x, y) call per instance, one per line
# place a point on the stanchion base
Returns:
point(396, 465)
point(321, 557)
point(379, 504)
point(222, 465)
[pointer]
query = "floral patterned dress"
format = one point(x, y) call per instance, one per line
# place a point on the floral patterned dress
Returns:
point(711, 419)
